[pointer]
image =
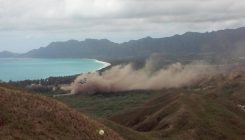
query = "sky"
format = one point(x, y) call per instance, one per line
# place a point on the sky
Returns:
point(30, 24)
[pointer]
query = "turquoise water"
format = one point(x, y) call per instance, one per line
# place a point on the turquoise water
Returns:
point(16, 69)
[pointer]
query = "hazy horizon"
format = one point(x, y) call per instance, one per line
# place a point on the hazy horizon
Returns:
point(27, 25)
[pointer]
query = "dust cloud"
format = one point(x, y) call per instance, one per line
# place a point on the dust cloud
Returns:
point(126, 77)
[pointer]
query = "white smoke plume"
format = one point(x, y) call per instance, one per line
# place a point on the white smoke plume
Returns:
point(125, 77)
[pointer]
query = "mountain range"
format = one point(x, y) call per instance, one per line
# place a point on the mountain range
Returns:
point(223, 43)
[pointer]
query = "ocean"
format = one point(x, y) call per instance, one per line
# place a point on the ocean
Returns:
point(17, 69)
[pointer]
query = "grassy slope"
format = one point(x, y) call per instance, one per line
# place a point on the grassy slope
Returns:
point(26, 116)
point(129, 133)
point(190, 114)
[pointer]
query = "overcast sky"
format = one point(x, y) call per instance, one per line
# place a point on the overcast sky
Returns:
point(28, 24)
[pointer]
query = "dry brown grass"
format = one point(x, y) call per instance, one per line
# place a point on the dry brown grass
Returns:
point(27, 116)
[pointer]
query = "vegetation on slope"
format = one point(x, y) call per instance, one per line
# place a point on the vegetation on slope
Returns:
point(104, 105)
point(211, 110)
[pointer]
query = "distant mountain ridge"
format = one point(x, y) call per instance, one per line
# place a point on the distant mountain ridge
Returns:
point(229, 42)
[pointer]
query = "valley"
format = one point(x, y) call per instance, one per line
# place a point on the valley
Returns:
point(132, 99)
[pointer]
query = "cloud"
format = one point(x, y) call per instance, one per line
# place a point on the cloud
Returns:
point(123, 15)
point(117, 20)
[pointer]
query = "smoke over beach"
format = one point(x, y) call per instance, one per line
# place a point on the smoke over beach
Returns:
point(126, 77)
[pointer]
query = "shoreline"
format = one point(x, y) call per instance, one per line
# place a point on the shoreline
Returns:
point(106, 64)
